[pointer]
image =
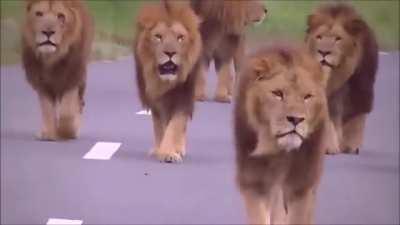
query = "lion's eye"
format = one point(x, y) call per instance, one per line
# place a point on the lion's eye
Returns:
point(38, 13)
point(61, 16)
point(158, 37)
point(278, 94)
point(319, 37)
point(181, 38)
point(308, 97)
point(338, 38)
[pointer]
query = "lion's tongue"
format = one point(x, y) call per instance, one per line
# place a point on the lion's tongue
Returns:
point(168, 68)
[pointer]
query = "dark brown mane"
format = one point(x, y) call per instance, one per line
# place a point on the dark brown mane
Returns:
point(335, 10)
point(70, 68)
point(362, 81)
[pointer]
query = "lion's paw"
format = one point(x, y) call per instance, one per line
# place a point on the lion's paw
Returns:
point(332, 151)
point(169, 157)
point(200, 97)
point(350, 150)
point(223, 98)
point(333, 146)
point(46, 136)
point(182, 151)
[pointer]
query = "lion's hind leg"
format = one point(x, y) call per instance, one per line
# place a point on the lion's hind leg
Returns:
point(158, 128)
point(200, 85)
point(353, 133)
point(49, 118)
point(70, 113)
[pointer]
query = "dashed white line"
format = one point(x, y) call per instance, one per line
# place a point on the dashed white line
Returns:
point(144, 112)
point(102, 150)
point(56, 221)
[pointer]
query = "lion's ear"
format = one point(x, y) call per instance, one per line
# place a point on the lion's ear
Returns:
point(28, 5)
point(310, 22)
point(313, 21)
point(261, 67)
point(148, 16)
point(355, 26)
point(145, 22)
point(176, 5)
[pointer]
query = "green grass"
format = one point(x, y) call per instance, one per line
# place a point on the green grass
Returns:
point(114, 19)
point(287, 20)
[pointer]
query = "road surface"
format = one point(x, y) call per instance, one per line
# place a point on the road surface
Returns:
point(42, 180)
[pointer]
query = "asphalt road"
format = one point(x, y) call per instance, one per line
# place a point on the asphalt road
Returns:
point(42, 180)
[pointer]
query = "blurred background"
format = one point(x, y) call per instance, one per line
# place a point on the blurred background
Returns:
point(114, 22)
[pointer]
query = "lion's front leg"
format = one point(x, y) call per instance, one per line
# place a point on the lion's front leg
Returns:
point(257, 208)
point(353, 133)
point(225, 81)
point(49, 118)
point(301, 207)
point(334, 141)
point(335, 125)
point(172, 143)
point(70, 115)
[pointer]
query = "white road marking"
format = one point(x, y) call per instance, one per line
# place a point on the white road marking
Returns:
point(144, 112)
point(56, 221)
point(102, 150)
point(384, 53)
point(107, 61)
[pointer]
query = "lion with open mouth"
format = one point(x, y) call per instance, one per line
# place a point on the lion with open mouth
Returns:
point(167, 49)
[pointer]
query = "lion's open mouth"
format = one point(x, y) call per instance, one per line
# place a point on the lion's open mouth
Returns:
point(168, 68)
point(326, 63)
point(292, 132)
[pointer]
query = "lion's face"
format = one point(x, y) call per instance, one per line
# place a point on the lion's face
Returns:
point(331, 45)
point(286, 100)
point(50, 26)
point(256, 12)
point(169, 43)
point(333, 36)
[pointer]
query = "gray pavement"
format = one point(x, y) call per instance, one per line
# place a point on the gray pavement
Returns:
point(41, 180)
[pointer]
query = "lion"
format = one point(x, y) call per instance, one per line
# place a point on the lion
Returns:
point(347, 49)
point(167, 51)
point(281, 124)
point(223, 34)
point(56, 42)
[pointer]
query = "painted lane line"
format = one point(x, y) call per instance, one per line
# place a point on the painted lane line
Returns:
point(56, 221)
point(144, 112)
point(102, 150)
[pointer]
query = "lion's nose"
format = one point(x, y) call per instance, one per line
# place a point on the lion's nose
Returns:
point(324, 53)
point(169, 54)
point(48, 33)
point(295, 120)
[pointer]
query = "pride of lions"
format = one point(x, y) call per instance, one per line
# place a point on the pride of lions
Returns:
point(293, 103)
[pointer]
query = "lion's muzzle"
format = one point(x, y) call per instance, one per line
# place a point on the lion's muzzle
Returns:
point(45, 41)
point(168, 70)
